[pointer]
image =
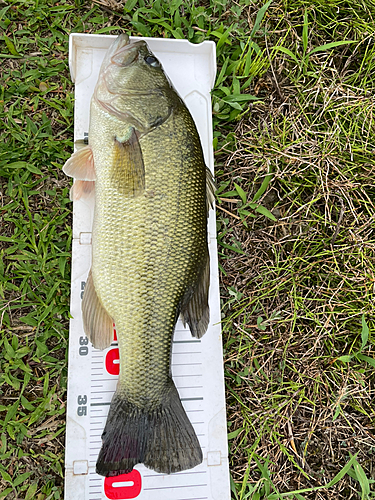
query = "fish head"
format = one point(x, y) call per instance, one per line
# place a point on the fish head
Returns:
point(132, 84)
point(135, 66)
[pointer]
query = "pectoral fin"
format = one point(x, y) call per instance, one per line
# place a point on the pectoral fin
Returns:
point(81, 165)
point(196, 312)
point(128, 171)
point(81, 189)
point(97, 323)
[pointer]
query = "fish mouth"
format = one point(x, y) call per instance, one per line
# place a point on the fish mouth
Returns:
point(126, 52)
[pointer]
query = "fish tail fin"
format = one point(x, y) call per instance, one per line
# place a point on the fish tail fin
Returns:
point(161, 437)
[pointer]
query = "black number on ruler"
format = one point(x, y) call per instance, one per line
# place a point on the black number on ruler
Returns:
point(82, 408)
point(83, 283)
point(83, 350)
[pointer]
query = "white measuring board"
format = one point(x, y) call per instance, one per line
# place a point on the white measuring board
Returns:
point(197, 365)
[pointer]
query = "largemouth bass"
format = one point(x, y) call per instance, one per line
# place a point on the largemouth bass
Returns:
point(150, 260)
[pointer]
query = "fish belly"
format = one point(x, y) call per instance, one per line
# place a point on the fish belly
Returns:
point(148, 253)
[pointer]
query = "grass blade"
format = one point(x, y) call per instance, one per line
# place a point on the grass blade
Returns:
point(342, 472)
point(362, 479)
point(286, 51)
point(365, 332)
point(331, 45)
point(263, 210)
point(370, 361)
point(335, 480)
point(305, 31)
point(12, 49)
point(259, 18)
point(263, 187)
point(241, 193)
point(239, 98)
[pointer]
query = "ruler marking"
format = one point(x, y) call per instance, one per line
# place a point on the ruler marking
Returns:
point(107, 404)
point(106, 392)
point(185, 364)
point(99, 378)
point(186, 352)
point(186, 341)
point(177, 474)
point(181, 486)
point(191, 387)
point(115, 378)
point(101, 432)
point(179, 387)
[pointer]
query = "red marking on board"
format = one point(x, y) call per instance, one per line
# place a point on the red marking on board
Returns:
point(112, 359)
point(114, 333)
point(123, 486)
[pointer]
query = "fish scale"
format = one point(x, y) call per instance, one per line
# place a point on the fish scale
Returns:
point(168, 281)
point(196, 363)
point(150, 254)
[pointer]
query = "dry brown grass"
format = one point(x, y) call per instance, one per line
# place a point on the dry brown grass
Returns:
point(309, 276)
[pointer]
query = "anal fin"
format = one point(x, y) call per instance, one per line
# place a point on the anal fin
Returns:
point(196, 312)
point(97, 323)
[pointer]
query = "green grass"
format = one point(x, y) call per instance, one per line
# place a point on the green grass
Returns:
point(293, 113)
point(36, 117)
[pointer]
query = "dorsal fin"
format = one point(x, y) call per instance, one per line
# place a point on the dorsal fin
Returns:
point(210, 189)
point(196, 312)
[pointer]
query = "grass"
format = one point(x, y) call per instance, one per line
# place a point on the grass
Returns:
point(36, 117)
point(294, 147)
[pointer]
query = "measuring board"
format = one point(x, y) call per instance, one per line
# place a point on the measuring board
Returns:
point(197, 365)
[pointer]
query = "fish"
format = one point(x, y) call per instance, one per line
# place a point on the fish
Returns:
point(150, 261)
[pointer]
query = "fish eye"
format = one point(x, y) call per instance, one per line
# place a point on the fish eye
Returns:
point(152, 61)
